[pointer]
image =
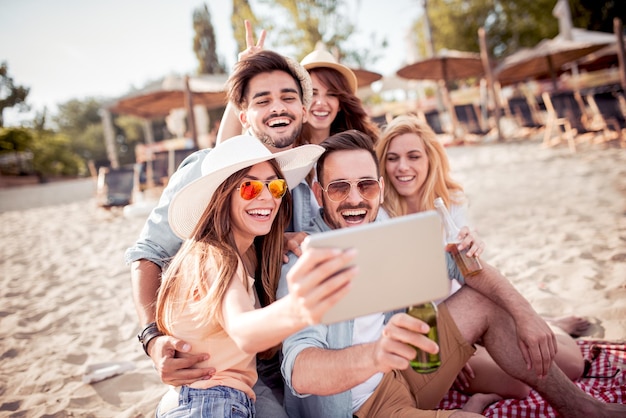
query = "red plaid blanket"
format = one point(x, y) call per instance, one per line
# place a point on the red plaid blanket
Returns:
point(604, 379)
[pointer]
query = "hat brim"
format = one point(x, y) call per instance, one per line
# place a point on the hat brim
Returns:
point(305, 81)
point(188, 205)
point(342, 69)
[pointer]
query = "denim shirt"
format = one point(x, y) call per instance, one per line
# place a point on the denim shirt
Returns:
point(330, 337)
point(158, 243)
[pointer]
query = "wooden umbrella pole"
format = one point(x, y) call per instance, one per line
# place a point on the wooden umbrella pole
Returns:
point(484, 55)
point(454, 121)
point(190, 116)
point(617, 28)
point(552, 72)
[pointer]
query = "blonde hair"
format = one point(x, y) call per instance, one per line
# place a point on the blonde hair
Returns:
point(438, 181)
point(204, 267)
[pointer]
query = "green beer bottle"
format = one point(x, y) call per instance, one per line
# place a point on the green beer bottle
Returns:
point(425, 362)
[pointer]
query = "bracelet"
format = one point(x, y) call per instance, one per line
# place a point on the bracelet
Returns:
point(148, 334)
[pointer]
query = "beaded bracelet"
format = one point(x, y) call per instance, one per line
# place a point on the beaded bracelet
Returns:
point(147, 334)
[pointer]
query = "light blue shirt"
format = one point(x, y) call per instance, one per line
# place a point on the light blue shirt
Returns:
point(329, 337)
point(158, 243)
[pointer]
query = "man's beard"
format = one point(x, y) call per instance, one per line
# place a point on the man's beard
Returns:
point(334, 221)
point(281, 141)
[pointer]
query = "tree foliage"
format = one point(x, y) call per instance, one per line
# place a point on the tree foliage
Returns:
point(15, 140)
point(10, 94)
point(299, 25)
point(204, 44)
point(80, 121)
point(129, 133)
point(53, 155)
point(242, 11)
point(305, 23)
point(40, 151)
point(509, 24)
point(598, 14)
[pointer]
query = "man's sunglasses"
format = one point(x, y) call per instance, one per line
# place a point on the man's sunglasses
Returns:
point(251, 189)
point(339, 190)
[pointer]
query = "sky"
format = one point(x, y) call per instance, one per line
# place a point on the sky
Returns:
point(74, 49)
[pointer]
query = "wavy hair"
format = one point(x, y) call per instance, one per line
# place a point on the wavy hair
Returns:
point(438, 181)
point(206, 264)
point(351, 114)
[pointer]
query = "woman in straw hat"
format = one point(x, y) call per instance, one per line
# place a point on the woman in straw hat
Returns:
point(416, 170)
point(232, 219)
point(335, 107)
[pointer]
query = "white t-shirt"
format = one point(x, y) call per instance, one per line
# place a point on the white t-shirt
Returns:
point(367, 328)
point(460, 218)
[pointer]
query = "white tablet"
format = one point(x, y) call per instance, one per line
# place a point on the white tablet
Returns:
point(401, 262)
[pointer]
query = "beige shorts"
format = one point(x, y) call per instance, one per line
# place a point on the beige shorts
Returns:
point(406, 393)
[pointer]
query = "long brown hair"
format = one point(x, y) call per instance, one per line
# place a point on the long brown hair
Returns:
point(206, 264)
point(438, 182)
point(351, 113)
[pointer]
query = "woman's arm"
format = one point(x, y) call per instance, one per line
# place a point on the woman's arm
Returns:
point(318, 280)
point(229, 126)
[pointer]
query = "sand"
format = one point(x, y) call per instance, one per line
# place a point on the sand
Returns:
point(554, 223)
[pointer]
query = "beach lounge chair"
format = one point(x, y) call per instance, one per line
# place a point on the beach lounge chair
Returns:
point(468, 117)
point(115, 186)
point(567, 112)
point(607, 113)
point(433, 119)
point(523, 113)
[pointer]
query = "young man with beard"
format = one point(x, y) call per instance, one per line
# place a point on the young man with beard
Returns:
point(361, 367)
point(271, 93)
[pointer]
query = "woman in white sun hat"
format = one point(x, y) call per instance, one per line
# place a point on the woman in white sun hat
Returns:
point(208, 296)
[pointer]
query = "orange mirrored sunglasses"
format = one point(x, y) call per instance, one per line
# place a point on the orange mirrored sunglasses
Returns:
point(251, 189)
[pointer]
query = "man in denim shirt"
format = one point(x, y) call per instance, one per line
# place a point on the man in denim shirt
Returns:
point(271, 94)
point(361, 367)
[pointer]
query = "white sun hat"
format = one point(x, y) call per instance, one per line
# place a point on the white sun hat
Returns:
point(225, 159)
point(323, 59)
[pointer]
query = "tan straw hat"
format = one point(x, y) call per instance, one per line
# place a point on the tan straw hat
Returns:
point(225, 159)
point(304, 79)
point(323, 59)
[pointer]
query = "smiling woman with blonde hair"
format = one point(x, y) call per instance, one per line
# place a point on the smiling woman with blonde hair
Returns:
point(416, 170)
point(431, 179)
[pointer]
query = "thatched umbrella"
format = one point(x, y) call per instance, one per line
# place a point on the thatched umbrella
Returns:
point(364, 77)
point(543, 60)
point(446, 66)
point(159, 100)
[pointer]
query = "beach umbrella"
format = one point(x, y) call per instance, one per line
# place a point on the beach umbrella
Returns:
point(444, 67)
point(599, 60)
point(159, 99)
point(544, 60)
point(175, 92)
point(364, 77)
